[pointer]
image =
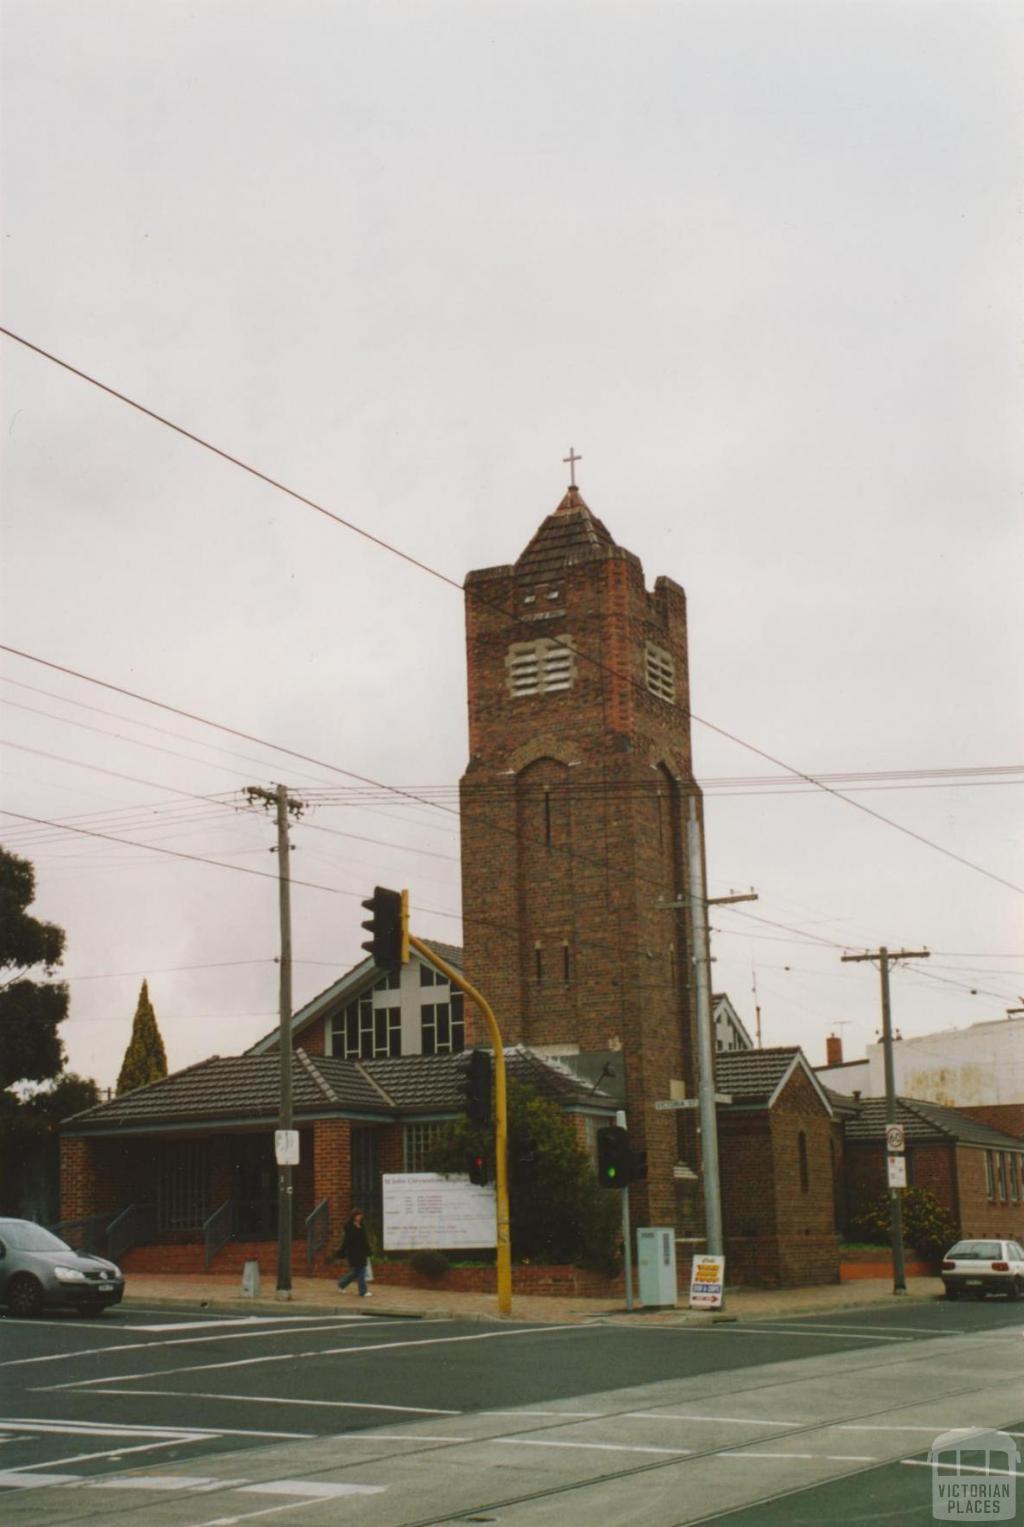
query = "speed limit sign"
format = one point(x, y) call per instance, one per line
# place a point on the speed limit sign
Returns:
point(895, 1139)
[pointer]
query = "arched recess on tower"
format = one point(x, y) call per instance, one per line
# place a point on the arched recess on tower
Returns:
point(546, 895)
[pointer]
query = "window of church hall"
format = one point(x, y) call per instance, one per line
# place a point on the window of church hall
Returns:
point(443, 1025)
point(661, 673)
point(417, 1140)
point(365, 1031)
point(542, 667)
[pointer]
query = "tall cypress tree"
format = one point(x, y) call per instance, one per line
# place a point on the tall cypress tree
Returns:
point(145, 1059)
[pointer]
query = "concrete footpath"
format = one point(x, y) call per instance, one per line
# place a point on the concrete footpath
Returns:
point(318, 1296)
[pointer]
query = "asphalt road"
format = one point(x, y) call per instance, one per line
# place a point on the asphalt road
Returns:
point(189, 1420)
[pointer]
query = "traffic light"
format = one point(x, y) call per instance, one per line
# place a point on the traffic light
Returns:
point(388, 927)
point(616, 1165)
point(477, 1104)
point(476, 1168)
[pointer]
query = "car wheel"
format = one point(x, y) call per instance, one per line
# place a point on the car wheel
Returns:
point(1017, 1288)
point(952, 1293)
point(24, 1296)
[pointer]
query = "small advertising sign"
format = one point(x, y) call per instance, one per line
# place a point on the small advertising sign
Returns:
point(286, 1147)
point(897, 1171)
point(707, 1283)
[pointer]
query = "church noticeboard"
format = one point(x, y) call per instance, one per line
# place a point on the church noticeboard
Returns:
point(423, 1210)
point(707, 1283)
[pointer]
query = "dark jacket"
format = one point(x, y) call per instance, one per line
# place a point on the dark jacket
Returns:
point(355, 1245)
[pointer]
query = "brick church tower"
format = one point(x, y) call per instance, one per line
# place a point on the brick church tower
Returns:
point(574, 808)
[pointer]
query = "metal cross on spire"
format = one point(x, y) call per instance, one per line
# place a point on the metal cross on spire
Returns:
point(571, 460)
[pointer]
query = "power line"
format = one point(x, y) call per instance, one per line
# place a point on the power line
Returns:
point(451, 582)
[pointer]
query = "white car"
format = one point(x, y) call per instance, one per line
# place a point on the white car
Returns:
point(984, 1267)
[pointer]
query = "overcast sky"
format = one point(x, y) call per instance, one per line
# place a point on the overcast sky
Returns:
point(759, 263)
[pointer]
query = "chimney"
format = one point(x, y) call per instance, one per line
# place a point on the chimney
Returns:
point(833, 1050)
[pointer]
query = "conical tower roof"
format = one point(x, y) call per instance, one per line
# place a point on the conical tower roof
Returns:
point(572, 534)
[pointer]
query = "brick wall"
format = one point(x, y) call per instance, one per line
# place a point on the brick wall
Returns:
point(980, 1214)
point(573, 828)
point(1009, 1117)
point(332, 1171)
point(779, 1221)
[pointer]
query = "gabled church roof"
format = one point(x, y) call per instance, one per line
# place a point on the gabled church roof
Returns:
point(755, 1078)
point(343, 990)
point(569, 536)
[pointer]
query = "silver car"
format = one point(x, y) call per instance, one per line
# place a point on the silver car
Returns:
point(38, 1269)
point(984, 1267)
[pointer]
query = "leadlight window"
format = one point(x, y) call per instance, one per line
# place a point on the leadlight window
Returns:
point(443, 1026)
point(661, 673)
point(417, 1142)
point(542, 667)
point(364, 1031)
point(431, 977)
point(990, 1176)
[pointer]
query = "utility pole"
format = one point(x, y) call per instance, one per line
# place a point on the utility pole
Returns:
point(698, 901)
point(286, 1142)
point(885, 958)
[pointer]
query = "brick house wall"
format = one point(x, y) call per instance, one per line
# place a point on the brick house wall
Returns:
point(573, 827)
point(981, 1214)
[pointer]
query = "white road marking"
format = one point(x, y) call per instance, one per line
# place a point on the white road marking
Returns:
point(314, 1488)
point(269, 1399)
point(963, 1468)
point(398, 1437)
point(559, 1415)
point(643, 1415)
point(163, 1482)
point(111, 1452)
point(883, 1426)
point(294, 1357)
point(301, 1321)
point(92, 1429)
point(35, 1481)
point(189, 1341)
point(96, 1428)
point(597, 1447)
point(821, 1331)
point(767, 1455)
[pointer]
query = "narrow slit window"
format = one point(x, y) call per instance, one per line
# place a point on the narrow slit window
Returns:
point(547, 817)
point(566, 962)
point(801, 1150)
point(538, 963)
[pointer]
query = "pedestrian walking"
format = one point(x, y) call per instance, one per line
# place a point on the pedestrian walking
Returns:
point(355, 1248)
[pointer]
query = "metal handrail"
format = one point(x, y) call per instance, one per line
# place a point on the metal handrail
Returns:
point(134, 1226)
point(318, 1230)
point(93, 1241)
point(218, 1229)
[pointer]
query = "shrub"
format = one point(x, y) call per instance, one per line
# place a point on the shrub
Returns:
point(927, 1226)
point(429, 1264)
point(557, 1210)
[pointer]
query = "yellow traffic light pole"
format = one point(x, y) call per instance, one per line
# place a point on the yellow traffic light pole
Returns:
point(500, 1116)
